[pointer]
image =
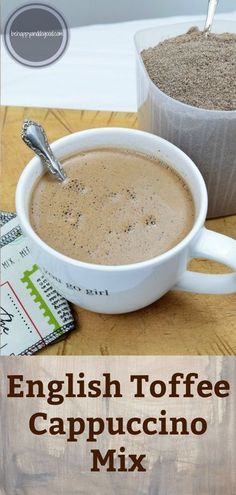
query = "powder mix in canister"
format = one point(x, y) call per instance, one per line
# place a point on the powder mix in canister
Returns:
point(195, 69)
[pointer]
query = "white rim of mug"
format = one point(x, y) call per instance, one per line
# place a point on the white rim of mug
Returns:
point(156, 88)
point(29, 231)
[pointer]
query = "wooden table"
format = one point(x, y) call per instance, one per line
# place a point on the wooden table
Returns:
point(179, 323)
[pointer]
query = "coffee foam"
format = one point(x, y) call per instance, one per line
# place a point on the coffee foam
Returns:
point(117, 207)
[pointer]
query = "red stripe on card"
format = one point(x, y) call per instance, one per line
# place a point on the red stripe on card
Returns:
point(24, 309)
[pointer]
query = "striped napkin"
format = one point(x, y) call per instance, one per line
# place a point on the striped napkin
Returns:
point(33, 314)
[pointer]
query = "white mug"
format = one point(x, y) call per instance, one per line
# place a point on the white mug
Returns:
point(125, 288)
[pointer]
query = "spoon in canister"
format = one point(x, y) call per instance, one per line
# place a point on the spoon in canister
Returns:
point(212, 4)
point(35, 137)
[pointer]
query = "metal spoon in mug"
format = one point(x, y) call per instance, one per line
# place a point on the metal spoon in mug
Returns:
point(35, 137)
point(212, 4)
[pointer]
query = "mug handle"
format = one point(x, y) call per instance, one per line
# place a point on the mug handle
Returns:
point(215, 247)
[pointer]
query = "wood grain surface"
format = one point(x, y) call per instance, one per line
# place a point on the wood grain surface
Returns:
point(179, 323)
point(175, 464)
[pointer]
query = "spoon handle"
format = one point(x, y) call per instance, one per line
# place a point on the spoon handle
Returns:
point(212, 4)
point(34, 136)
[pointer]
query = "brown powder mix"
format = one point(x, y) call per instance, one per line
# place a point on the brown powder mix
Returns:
point(195, 69)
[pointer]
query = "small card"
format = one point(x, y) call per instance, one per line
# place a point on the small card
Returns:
point(33, 314)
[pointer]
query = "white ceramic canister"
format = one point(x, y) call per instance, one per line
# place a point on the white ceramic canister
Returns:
point(208, 137)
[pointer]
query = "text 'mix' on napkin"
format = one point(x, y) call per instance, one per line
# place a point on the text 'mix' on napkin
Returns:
point(33, 314)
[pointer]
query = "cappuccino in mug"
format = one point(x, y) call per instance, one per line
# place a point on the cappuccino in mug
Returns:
point(117, 207)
